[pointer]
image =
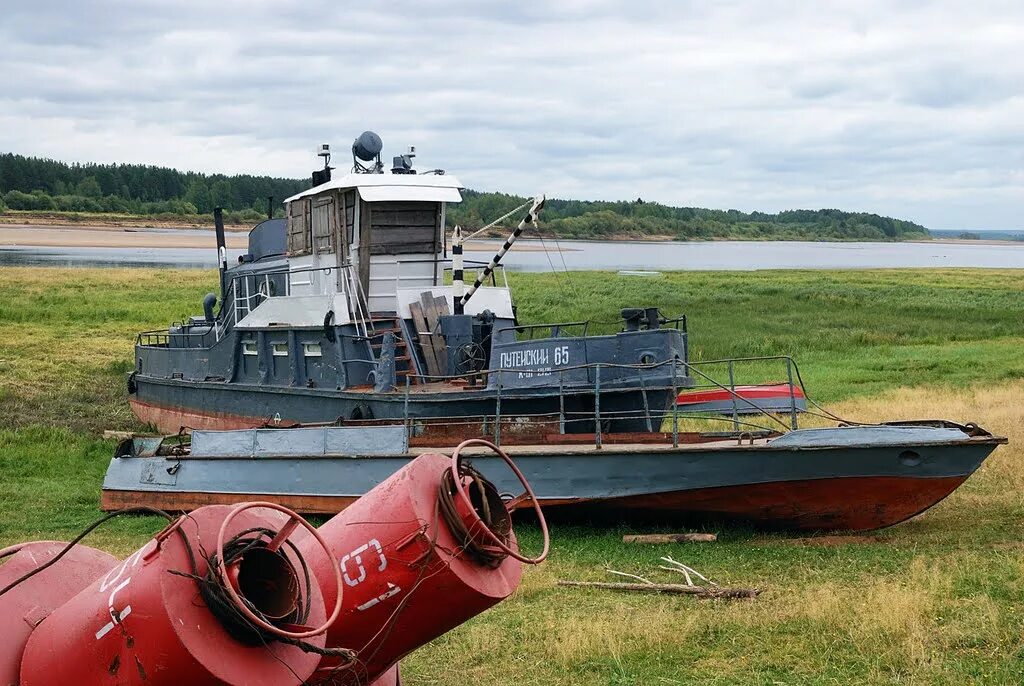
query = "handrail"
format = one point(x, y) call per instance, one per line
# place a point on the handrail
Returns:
point(690, 366)
point(532, 327)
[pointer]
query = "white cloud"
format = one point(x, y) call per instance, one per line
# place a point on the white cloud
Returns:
point(909, 109)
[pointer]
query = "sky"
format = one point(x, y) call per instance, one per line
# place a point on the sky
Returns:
point(908, 109)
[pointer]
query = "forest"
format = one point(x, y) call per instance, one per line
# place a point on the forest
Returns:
point(46, 185)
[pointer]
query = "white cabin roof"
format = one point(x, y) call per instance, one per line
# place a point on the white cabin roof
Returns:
point(381, 187)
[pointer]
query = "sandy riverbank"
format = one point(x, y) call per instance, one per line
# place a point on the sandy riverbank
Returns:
point(99, 236)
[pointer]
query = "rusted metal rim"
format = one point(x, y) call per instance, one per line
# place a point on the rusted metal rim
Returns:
point(464, 496)
point(284, 532)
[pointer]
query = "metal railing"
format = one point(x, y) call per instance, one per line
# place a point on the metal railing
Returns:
point(554, 330)
point(649, 416)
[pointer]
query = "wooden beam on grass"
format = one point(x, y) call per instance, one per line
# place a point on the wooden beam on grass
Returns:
point(679, 589)
point(670, 538)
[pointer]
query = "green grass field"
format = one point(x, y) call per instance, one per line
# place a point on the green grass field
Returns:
point(939, 599)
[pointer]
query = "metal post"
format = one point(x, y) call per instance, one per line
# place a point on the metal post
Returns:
point(405, 408)
point(597, 406)
point(647, 407)
point(732, 396)
point(675, 408)
point(792, 392)
point(561, 402)
point(458, 282)
point(497, 413)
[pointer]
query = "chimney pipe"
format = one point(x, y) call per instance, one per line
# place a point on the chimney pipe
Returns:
point(222, 250)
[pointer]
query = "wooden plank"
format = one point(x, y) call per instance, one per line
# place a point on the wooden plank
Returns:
point(669, 538)
point(441, 303)
point(683, 589)
point(419, 323)
point(429, 305)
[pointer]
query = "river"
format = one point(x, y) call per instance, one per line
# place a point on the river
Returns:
point(533, 255)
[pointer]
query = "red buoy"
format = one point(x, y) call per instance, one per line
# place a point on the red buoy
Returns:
point(160, 617)
point(419, 554)
point(25, 606)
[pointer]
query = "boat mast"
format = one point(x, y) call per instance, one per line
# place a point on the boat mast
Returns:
point(529, 220)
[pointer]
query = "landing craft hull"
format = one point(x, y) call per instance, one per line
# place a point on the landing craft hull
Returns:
point(857, 479)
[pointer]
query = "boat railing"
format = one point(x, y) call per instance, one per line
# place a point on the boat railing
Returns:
point(679, 370)
point(250, 290)
point(557, 330)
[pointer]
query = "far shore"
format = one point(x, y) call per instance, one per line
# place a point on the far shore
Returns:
point(98, 236)
point(57, 231)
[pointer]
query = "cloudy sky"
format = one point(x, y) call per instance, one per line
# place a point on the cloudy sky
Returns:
point(910, 109)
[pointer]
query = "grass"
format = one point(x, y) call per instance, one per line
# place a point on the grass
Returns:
point(935, 600)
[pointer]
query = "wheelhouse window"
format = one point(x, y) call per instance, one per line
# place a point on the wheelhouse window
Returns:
point(311, 350)
point(249, 348)
point(299, 226)
point(279, 349)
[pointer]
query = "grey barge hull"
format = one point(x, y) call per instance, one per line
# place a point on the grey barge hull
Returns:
point(852, 478)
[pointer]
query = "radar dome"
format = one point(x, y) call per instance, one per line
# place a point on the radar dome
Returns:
point(367, 146)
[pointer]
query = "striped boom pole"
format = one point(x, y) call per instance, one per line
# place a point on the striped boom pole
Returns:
point(458, 284)
point(529, 220)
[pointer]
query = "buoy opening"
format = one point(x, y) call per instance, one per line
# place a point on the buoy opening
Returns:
point(267, 581)
point(489, 507)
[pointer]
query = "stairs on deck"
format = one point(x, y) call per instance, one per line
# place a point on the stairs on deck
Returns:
point(384, 322)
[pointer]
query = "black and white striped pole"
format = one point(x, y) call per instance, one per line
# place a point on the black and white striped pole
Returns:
point(529, 220)
point(458, 283)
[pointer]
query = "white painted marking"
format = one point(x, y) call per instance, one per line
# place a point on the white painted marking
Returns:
point(108, 627)
point(392, 590)
point(356, 556)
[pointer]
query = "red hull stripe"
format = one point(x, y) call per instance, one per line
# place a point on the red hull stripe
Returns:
point(170, 420)
point(751, 392)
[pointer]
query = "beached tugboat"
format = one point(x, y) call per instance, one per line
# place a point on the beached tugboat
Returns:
point(342, 311)
point(341, 350)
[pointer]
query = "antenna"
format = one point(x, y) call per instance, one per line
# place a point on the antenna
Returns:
point(323, 176)
point(402, 164)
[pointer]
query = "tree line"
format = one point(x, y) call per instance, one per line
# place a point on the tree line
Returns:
point(33, 183)
point(639, 219)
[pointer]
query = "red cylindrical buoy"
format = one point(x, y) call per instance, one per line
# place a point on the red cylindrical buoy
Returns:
point(162, 617)
point(24, 606)
point(421, 553)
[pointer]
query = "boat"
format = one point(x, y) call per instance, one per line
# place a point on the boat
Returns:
point(342, 311)
point(851, 478)
point(347, 340)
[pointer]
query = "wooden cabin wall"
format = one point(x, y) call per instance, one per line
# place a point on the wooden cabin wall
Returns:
point(404, 228)
point(324, 223)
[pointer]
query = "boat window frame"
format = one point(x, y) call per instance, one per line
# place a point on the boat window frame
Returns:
point(279, 349)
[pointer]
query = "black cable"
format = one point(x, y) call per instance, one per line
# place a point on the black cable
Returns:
point(446, 493)
point(88, 530)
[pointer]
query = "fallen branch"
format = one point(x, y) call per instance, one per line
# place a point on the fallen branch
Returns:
point(669, 538)
point(683, 589)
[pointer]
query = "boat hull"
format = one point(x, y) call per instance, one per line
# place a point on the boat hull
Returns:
point(168, 405)
point(847, 504)
point(832, 487)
